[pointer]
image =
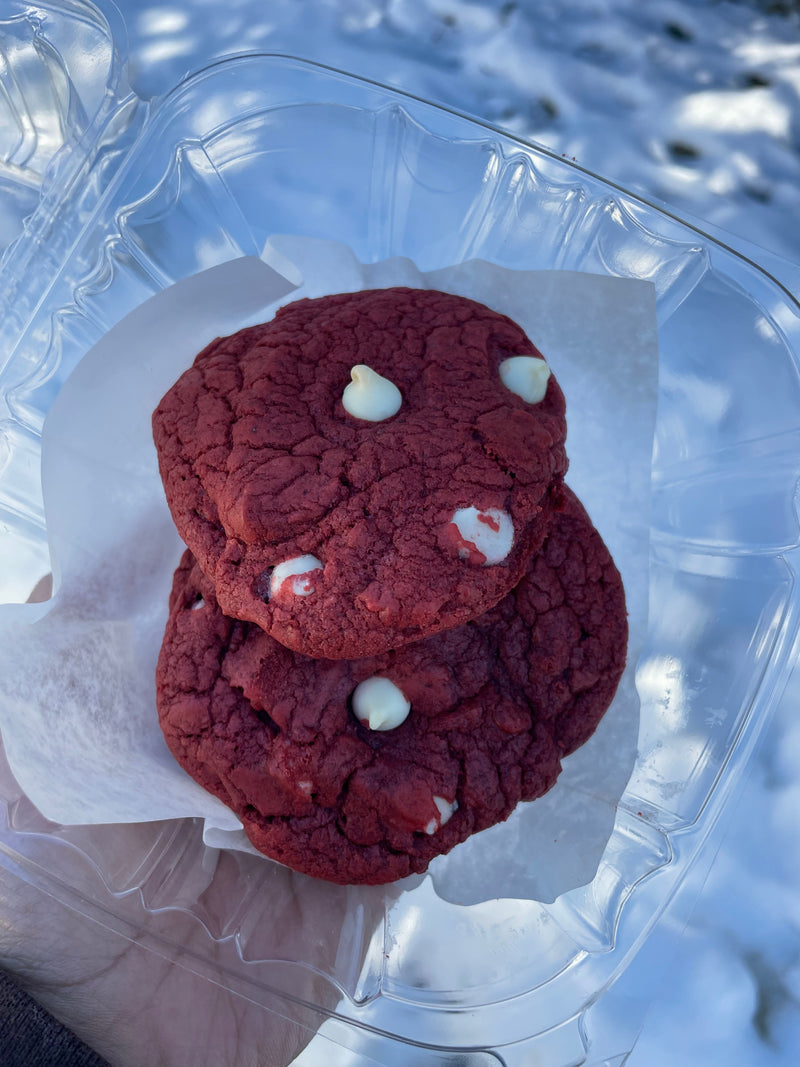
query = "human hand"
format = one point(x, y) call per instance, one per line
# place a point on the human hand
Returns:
point(150, 987)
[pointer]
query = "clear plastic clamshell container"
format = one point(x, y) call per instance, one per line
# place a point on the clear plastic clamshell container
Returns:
point(124, 197)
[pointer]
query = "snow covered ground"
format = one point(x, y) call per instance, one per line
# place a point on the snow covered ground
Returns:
point(696, 103)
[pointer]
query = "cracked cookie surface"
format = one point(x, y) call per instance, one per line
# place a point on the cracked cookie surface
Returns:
point(495, 705)
point(344, 535)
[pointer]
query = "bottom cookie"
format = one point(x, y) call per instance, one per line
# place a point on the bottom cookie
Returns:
point(362, 771)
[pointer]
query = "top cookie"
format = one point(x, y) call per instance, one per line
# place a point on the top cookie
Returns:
point(366, 469)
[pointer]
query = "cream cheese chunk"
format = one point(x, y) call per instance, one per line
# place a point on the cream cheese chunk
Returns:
point(370, 396)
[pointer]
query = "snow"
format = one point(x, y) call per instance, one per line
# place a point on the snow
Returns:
point(696, 104)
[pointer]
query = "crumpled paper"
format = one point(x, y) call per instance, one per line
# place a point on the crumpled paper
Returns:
point(77, 692)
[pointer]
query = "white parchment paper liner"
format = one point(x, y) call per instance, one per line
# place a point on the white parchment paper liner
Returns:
point(77, 694)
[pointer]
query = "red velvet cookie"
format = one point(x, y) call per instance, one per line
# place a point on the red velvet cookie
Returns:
point(366, 469)
point(361, 771)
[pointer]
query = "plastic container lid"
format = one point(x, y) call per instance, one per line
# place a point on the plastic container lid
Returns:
point(138, 196)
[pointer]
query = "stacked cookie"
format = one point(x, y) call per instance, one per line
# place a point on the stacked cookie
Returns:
point(393, 619)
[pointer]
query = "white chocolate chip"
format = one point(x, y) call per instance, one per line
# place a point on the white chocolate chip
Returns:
point(299, 569)
point(526, 376)
point(379, 704)
point(370, 396)
point(490, 532)
point(305, 787)
point(446, 809)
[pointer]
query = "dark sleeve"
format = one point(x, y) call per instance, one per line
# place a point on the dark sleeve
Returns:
point(31, 1037)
